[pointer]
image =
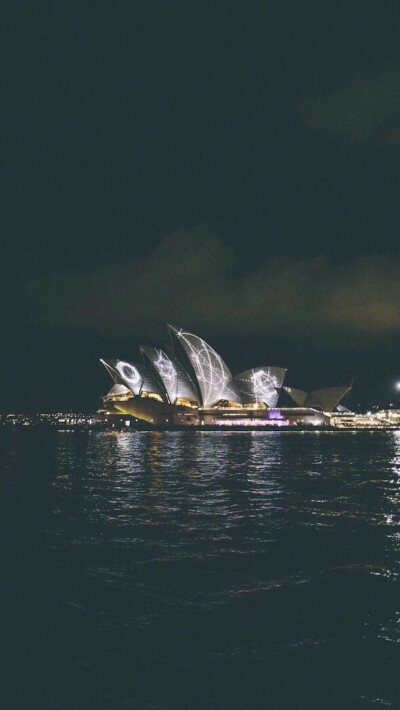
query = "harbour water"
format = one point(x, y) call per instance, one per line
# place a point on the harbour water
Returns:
point(204, 570)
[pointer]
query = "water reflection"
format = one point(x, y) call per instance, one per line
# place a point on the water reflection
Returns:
point(205, 551)
point(390, 488)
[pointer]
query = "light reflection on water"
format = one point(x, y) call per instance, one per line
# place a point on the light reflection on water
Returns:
point(174, 560)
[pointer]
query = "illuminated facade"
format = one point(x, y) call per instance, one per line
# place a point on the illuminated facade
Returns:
point(189, 384)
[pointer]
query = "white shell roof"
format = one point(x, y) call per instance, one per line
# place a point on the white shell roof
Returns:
point(172, 374)
point(135, 376)
point(212, 374)
point(117, 389)
point(261, 384)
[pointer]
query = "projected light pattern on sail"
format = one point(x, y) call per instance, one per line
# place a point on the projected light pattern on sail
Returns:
point(261, 384)
point(264, 385)
point(187, 383)
point(213, 376)
point(167, 371)
point(129, 373)
point(170, 373)
point(135, 376)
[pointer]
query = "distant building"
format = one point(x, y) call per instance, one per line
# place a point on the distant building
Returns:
point(187, 383)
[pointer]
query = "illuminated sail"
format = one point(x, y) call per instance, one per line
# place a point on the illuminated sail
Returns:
point(135, 376)
point(170, 371)
point(261, 384)
point(212, 374)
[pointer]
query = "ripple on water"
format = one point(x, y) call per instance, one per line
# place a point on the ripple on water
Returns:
point(192, 570)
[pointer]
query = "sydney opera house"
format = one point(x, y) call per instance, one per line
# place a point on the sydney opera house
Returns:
point(188, 384)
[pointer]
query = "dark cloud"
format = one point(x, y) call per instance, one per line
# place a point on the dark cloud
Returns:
point(192, 279)
point(366, 108)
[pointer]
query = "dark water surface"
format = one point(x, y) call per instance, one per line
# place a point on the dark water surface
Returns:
point(200, 570)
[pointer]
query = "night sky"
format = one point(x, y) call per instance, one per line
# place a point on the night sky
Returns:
point(229, 167)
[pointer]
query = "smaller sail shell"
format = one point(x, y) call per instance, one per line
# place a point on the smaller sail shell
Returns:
point(117, 390)
point(326, 399)
point(261, 384)
point(135, 376)
point(299, 397)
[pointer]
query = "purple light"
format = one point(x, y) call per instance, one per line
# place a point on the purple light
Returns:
point(274, 414)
